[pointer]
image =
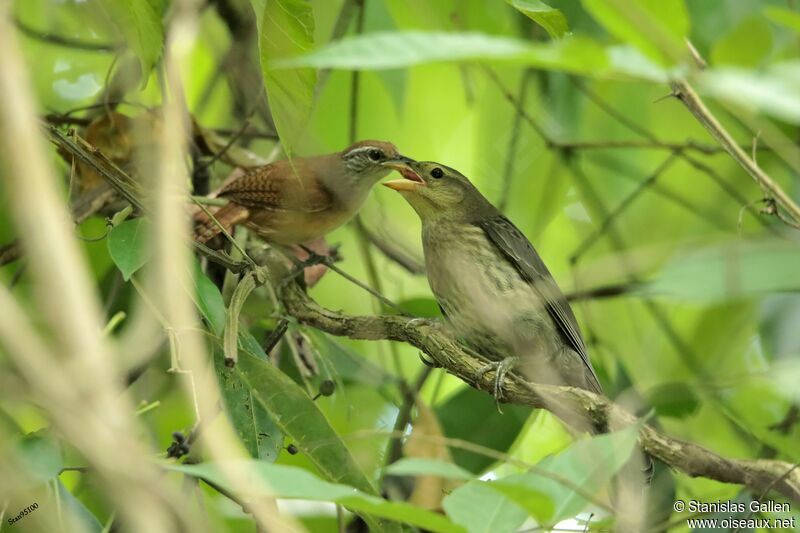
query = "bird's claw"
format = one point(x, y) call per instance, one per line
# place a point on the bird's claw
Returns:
point(421, 321)
point(501, 369)
point(428, 362)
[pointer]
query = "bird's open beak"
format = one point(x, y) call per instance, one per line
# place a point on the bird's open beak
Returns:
point(411, 180)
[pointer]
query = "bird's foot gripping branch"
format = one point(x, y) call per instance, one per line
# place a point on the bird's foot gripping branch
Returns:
point(759, 475)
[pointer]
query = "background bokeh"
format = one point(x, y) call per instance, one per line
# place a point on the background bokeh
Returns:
point(685, 278)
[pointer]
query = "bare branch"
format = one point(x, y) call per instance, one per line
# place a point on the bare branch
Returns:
point(686, 94)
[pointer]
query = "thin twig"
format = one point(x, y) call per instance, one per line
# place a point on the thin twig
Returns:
point(395, 450)
point(328, 262)
point(684, 92)
point(623, 205)
point(702, 167)
point(124, 185)
point(390, 250)
point(235, 137)
point(511, 154)
point(68, 42)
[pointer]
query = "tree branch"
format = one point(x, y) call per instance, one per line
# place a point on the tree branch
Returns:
point(124, 185)
point(68, 42)
point(435, 341)
point(684, 92)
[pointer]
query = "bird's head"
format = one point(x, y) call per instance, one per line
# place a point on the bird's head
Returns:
point(365, 160)
point(438, 192)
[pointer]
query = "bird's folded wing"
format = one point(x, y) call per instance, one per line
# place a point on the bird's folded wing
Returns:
point(279, 187)
point(516, 248)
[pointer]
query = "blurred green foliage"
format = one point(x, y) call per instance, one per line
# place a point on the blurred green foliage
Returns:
point(559, 113)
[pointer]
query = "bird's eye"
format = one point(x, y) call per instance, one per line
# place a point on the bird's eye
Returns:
point(375, 155)
point(437, 173)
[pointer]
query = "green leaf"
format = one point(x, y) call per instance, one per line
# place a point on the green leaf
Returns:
point(472, 415)
point(259, 433)
point(772, 91)
point(128, 246)
point(412, 466)
point(41, 456)
point(784, 17)
point(656, 27)
point(296, 483)
point(481, 509)
point(209, 301)
point(589, 464)
point(299, 419)
point(746, 45)
point(249, 344)
point(733, 270)
point(629, 61)
point(385, 50)
point(140, 23)
point(552, 20)
point(79, 511)
point(286, 29)
point(676, 400)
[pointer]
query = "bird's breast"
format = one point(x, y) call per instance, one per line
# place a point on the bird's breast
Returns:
point(480, 292)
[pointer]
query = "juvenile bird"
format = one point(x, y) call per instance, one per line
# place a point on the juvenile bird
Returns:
point(492, 286)
point(296, 201)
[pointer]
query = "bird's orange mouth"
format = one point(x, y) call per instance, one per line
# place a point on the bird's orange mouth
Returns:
point(410, 175)
point(411, 180)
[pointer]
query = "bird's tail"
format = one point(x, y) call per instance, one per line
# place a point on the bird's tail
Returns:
point(206, 227)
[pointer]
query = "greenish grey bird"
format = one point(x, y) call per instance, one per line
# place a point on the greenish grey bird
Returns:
point(492, 287)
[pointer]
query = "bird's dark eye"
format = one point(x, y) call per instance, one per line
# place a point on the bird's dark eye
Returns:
point(375, 155)
point(437, 173)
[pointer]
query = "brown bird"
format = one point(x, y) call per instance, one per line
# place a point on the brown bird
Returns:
point(296, 201)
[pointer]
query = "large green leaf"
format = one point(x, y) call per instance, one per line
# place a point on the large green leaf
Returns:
point(552, 20)
point(209, 301)
point(472, 415)
point(733, 270)
point(588, 464)
point(385, 50)
point(286, 29)
point(295, 483)
point(41, 456)
point(128, 246)
point(140, 23)
point(481, 509)
point(79, 511)
point(417, 466)
point(656, 27)
point(257, 430)
point(772, 90)
point(299, 419)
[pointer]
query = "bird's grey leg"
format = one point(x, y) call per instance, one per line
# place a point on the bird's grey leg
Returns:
point(501, 368)
point(422, 321)
point(428, 362)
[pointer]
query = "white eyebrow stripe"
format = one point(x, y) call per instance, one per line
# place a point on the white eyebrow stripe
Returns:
point(362, 149)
